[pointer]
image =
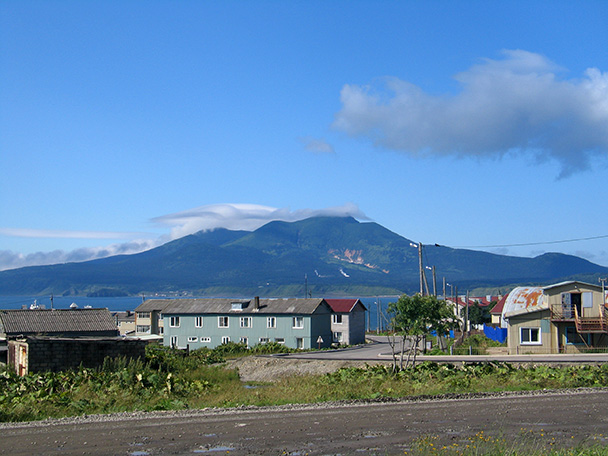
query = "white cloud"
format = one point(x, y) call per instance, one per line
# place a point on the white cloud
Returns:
point(318, 146)
point(231, 216)
point(65, 234)
point(518, 105)
point(244, 217)
point(12, 260)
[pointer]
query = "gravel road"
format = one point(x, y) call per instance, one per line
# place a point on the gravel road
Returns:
point(363, 428)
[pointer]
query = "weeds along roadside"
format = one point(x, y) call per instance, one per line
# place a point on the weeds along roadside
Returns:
point(169, 380)
point(528, 442)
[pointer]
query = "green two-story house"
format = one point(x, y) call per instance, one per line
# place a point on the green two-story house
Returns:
point(209, 322)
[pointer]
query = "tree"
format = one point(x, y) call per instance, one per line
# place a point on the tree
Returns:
point(479, 315)
point(412, 319)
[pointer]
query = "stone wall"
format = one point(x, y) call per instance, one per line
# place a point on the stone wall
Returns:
point(57, 354)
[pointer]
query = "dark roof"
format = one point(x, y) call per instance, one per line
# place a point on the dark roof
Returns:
point(344, 305)
point(225, 306)
point(150, 305)
point(89, 321)
point(124, 316)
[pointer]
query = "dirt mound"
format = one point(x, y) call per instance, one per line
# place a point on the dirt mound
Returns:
point(270, 368)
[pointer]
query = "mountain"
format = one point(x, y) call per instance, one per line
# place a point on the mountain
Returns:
point(329, 255)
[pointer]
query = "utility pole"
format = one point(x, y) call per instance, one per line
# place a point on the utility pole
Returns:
point(444, 290)
point(306, 285)
point(434, 282)
point(379, 314)
point(468, 326)
point(420, 268)
point(603, 280)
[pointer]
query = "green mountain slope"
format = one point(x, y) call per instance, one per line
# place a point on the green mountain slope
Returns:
point(334, 256)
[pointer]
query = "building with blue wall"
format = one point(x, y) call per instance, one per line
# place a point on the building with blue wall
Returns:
point(209, 322)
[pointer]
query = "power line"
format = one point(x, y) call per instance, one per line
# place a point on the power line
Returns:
point(531, 243)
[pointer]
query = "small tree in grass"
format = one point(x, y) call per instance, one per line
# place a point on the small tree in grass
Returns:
point(412, 319)
point(479, 315)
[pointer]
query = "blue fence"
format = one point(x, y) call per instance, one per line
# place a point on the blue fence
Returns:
point(497, 334)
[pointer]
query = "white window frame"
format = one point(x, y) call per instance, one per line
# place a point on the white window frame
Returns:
point(264, 340)
point(337, 319)
point(245, 322)
point(530, 330)
point(338, 336)
point(174, 322)
point(225, 339)
point(298, 323)
point(299, 343)
point(192, 339)
point(271, 322)
point(198, 322)
point(279, 340)
point(244, 340)
point(222, 319)
point(145, 329)
point(205, 340)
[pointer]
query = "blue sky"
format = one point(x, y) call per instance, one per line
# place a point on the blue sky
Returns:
point(124, 124)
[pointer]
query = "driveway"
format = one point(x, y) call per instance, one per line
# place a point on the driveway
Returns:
point(379, 350)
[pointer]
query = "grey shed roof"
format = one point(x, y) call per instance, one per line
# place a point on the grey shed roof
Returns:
point(90, 321)
point(300, 306)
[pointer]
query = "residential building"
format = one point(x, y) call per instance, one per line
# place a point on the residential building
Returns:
point(496, 313)
point(209, 322)
point(41, 340)
point(125, 322)
point(57, 322)
point(149, 317)
point(566, 317)
point(347, 321)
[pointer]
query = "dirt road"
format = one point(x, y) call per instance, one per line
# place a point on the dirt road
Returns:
point(562, 418)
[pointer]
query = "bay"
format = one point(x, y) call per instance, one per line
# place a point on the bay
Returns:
point(375, 312)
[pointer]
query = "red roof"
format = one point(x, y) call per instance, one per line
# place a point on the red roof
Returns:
point(342, 305)
point(498, 307)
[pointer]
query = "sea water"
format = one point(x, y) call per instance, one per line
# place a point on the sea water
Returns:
point(373, 304)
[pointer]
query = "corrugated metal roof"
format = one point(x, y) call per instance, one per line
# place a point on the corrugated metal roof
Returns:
point(224, 306)
point(150, 305)
point(524, 300)
point(56, 321)
point(343, 305)
point(572, 282)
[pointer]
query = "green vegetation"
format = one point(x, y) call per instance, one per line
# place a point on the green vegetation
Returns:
point(377, 261)
point(413, 319)
point(529, 442)
point(171, 379)
point(479, 315)
point(476, 344)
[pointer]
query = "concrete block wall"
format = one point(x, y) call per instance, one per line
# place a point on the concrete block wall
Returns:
point(62, 354)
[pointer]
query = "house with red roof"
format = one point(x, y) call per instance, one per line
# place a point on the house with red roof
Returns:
point(347, 321)
point(496, 313)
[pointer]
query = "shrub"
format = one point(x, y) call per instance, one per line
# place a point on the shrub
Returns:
point(270, 348)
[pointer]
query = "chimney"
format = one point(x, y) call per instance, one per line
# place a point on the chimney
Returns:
point(256, 303)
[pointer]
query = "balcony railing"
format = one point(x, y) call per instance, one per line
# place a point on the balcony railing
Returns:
point(597, 324)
